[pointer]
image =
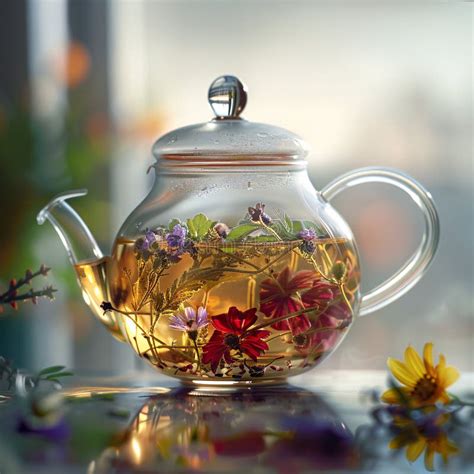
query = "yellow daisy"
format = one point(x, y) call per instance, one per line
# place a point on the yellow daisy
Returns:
point(424, 382)
point(416, 442)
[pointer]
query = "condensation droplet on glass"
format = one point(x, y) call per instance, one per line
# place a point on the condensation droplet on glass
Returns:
point(249, 185)
point(173, 139)
point(262, 135)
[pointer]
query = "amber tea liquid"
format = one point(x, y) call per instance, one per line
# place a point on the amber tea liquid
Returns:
point(304, 303)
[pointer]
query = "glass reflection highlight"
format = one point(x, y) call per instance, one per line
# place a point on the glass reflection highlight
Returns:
point(283, 431)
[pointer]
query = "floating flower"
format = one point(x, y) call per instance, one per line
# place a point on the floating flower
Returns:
point(424, 382)
point(144, 243)
point(289, 292)
point(425, 434)
point(257, 214)
point(231, 334)
point(177, 237)
point(190, 321)
point(307, 236)
point(221, 229)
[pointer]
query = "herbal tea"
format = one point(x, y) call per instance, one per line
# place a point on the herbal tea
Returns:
point(203, 301)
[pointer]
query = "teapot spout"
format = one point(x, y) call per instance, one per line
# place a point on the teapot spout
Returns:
point(76, 237)
point(84, 254)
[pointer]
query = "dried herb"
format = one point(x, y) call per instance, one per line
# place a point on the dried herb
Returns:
point(13, 296)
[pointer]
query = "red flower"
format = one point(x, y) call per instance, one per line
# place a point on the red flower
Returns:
point(230, 334)
point(288, 293)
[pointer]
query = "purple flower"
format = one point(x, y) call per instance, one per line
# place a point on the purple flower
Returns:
point(306, 234)
point(176, 238)
point(222, 229)
point(190, 321)
point(150, 237)
point(257, 214)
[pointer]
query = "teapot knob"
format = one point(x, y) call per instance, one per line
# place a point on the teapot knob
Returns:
point(227, 97)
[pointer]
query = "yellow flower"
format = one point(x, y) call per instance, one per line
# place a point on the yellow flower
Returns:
point(416, 441)
point(424, 382)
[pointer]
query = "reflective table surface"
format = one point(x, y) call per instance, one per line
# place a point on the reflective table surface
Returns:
point(327, 421)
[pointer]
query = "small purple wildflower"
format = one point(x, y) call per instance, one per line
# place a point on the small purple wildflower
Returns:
point(190, 321)
point(306, 234)
point(257, 214)
point(222, 229)
point(176, 238)
point(149, 239)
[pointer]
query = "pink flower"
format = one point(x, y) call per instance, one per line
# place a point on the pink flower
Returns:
point(290, 292)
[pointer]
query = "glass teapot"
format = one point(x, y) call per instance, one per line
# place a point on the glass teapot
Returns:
point(234, 269)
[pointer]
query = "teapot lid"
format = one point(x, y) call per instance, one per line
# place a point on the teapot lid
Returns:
point(229, 139)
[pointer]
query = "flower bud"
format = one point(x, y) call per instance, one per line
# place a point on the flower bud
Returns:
point(339, 270)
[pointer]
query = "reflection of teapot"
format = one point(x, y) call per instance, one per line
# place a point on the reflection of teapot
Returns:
point(234, 269)
point(278, 431)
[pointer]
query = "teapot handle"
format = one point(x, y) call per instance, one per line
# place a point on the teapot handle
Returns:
point(416, 266)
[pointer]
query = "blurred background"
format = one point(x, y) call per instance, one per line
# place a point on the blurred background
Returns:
point(87, 86)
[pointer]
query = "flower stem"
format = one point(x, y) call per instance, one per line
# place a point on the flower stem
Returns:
point(197, 353)
point(269, 229)
point(348, 303)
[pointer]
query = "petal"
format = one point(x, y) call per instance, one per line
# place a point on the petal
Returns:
point(284, 278)
point(250, 351)
point(447, 376)
point(189, 313)
point(221, 323)
point(392, 395)
point(227, 357)
point(415, 449)
point(201, 317)
point(429, 459)
point(444, 397)
point(299, 324)
point(301, 280)
point(281, 326)
point(398, 442)
point(428, 355)
point(401, 372)
point(248, 318)
point(442, 362)
point(414, 362)
point(176, 322)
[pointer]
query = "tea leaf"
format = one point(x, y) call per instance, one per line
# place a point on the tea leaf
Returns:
point(199, 226)
point(241, 231)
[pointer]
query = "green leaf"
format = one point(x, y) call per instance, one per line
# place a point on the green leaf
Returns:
point(241, 231)
point(199, 226)
point(51, 370)
point(288, 224)
point(172, 223)
point(59, 374)
point(263, 238)
point(297, 226)
point(311, 225)
point(280, 228)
